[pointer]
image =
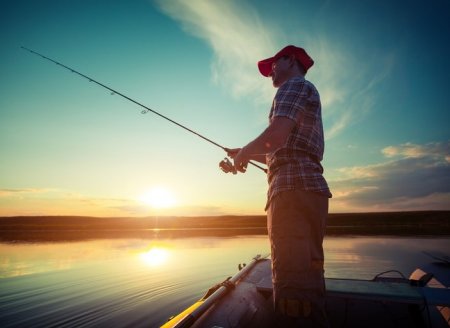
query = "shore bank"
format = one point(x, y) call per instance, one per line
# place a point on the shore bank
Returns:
point(78, 228)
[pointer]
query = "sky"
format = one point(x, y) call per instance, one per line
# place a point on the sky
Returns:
point(70, 147)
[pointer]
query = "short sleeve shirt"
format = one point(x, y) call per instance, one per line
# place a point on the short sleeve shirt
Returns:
point(296, 165)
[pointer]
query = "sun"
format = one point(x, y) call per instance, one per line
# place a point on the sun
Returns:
point(158, 197)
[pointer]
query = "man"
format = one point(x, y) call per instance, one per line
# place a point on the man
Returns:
point(292, 146)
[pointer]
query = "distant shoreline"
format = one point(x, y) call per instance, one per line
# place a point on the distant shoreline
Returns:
point(41, 228)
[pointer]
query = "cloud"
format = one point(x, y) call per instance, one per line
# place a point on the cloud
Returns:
point(22, 192)
point(237, 36)
point(47, 201)
point(347, 84)
point(439, 151)
point(416, 177)
point(133, 208)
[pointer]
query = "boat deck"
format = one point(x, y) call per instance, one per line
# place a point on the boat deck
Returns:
point(377, 291)
point(376, 301)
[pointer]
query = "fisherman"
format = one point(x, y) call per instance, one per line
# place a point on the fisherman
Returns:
point(292, 147)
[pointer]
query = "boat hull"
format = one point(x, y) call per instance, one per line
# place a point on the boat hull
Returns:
point(382, 302)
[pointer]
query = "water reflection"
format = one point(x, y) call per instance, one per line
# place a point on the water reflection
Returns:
point(142, 281)
point(156, 256)
point(359, 256)
point(20, 259)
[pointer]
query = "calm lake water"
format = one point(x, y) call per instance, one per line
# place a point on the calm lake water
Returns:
point(141, 282)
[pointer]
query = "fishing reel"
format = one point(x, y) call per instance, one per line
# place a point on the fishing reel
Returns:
point(226, 166)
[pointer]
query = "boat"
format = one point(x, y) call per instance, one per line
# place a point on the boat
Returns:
point(245, 300)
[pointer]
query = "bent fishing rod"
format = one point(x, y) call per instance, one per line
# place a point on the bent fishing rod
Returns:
point(224, 165)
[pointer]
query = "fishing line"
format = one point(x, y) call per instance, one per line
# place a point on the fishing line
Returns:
point(147, 109)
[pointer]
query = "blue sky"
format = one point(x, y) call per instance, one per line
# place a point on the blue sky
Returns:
point(69, 147)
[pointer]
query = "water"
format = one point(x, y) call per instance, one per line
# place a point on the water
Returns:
point(141, 282)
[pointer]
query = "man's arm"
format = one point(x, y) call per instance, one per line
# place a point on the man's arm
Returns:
point(272, 138)
point(232, 152)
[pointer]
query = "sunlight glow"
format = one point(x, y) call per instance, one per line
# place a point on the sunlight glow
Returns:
point(156, 256)
point(158, 197)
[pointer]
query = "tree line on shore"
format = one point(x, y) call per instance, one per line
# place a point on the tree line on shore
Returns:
point(409, 223)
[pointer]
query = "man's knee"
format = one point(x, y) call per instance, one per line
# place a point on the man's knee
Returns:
point(301, 313)
point(294, 308)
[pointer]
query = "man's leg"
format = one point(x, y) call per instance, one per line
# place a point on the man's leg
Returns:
point(296, 224)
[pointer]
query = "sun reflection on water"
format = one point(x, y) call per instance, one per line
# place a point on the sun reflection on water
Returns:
point(155, 256)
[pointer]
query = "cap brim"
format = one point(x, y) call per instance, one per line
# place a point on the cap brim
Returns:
point(265, 66)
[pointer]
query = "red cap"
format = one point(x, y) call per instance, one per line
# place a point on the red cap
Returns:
point(265, 65)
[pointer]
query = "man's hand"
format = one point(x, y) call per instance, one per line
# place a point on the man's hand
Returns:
point(240, 158)
point(231, 152)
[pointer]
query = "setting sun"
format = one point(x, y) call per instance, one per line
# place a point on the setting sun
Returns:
point(158, 197)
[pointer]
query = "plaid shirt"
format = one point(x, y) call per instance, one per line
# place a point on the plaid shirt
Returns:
point(296, 165)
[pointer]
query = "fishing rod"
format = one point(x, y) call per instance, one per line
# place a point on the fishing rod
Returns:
point(225, 165)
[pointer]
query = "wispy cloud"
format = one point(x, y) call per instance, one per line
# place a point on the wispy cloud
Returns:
point(237, 36)
point(439, 151)
point(47, 201)
point(17, 192)
point(415, 177)
point(132, 208)
point(347, 84)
